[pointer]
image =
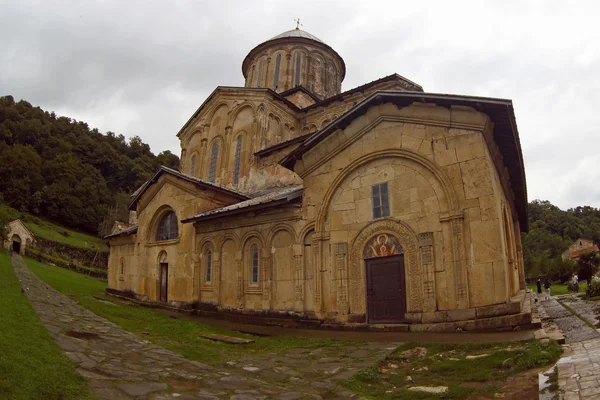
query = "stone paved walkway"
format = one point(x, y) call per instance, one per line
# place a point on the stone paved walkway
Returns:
point(121, 365)
point(579, 369)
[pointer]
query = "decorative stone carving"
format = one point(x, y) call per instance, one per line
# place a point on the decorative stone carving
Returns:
point(298, 277)
point(427, 262)
point(341, 257)
point(413, 271)
point(266, 277)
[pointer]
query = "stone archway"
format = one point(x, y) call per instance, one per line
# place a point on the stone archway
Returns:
point(407, 239)
point(17, 244)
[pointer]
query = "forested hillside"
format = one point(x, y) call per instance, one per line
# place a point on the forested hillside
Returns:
point(551, 231)
point(60, 169)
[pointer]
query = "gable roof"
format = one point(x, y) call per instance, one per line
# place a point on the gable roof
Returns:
point(219, 89)
point(302, 89)
point(125, 232)
point(18, 221)
point(197, 181)
point(266, 199)
point(500, 111)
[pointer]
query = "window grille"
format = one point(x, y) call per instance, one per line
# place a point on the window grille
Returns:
point(212, 166)
point(298, 63)
point(167, 228)
point(254, 278)
point(238, 155)
point(192, 165)
point(380, 199)
point(277, 65)
point(259, 74)
point(208, 265)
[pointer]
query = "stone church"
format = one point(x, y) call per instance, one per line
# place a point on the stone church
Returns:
point(376, 207)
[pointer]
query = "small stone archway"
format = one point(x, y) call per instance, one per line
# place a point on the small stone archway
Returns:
point(407, 239)
point(17, 244)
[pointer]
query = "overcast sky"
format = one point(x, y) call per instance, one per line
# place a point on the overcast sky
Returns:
point(143, 67)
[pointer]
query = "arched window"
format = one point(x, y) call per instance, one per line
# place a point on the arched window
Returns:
point(277, 65)
point(254, 270)
point(212, 165)
point(259, 76)
point(192, 165)
point(238, 155)
point(298, 63)
point(208, 266)
point(167, 228)
point(122, 266)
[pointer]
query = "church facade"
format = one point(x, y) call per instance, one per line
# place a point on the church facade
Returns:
point(383, 205)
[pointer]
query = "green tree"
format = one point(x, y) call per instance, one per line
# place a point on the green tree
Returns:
point(587, 265)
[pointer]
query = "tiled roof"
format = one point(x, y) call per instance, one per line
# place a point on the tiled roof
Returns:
point(577, 253)
point(264, 198)
point(189, 178)
point(127, 231)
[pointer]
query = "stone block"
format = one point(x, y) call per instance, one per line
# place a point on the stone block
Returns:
point(496, 310)
point(486, 241)
point(461, 315)
point(435, 317)
point(477, 178)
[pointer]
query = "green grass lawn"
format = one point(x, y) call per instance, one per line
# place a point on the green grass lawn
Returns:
point(558, 288)
point(444, 364)
point(31, 363)
point(181, 335)
point(49, 231)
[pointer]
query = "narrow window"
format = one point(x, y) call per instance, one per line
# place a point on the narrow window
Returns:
point(192, 165)
point(277, 64)
point(238, 154)
point(212, 166)
point(167, 228)
point(380, 199)
point(208, 266)
point(254, 278)
point(259, 74)
point(122, 267)
point(298, 62)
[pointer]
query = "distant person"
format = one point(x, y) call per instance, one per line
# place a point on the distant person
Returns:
point(575, 283)
point(539, 288)
point(547, 287)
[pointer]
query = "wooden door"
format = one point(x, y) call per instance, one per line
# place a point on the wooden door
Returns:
point(164, 281)
point(386, 290)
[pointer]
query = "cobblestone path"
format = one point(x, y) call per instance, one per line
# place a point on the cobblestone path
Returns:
point(579, 369)
point(121, 365)
point(574, 329)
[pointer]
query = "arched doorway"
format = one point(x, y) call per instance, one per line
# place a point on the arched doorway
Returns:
point(163, 277)
point(385, 279)
point(16, 244)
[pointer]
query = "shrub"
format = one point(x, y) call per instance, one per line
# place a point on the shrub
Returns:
point(593, 288)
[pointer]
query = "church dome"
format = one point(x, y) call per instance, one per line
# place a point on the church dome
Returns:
point(295, 58)
point(297, 33)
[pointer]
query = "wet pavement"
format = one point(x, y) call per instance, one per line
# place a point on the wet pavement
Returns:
point(579, 369)
point(121, 365)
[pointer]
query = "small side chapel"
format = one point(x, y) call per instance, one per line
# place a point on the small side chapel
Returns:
point(382, 205)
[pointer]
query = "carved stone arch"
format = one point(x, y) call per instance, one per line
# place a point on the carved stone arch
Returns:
point(229, 236)
point(238, 109)
point(205, 242)
point(210, 113)
point(444, 181)
point(250, 235)
point(302, 233)
point(163, 257)
point(281, 227)
point(156, 219)
point(413, 270)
